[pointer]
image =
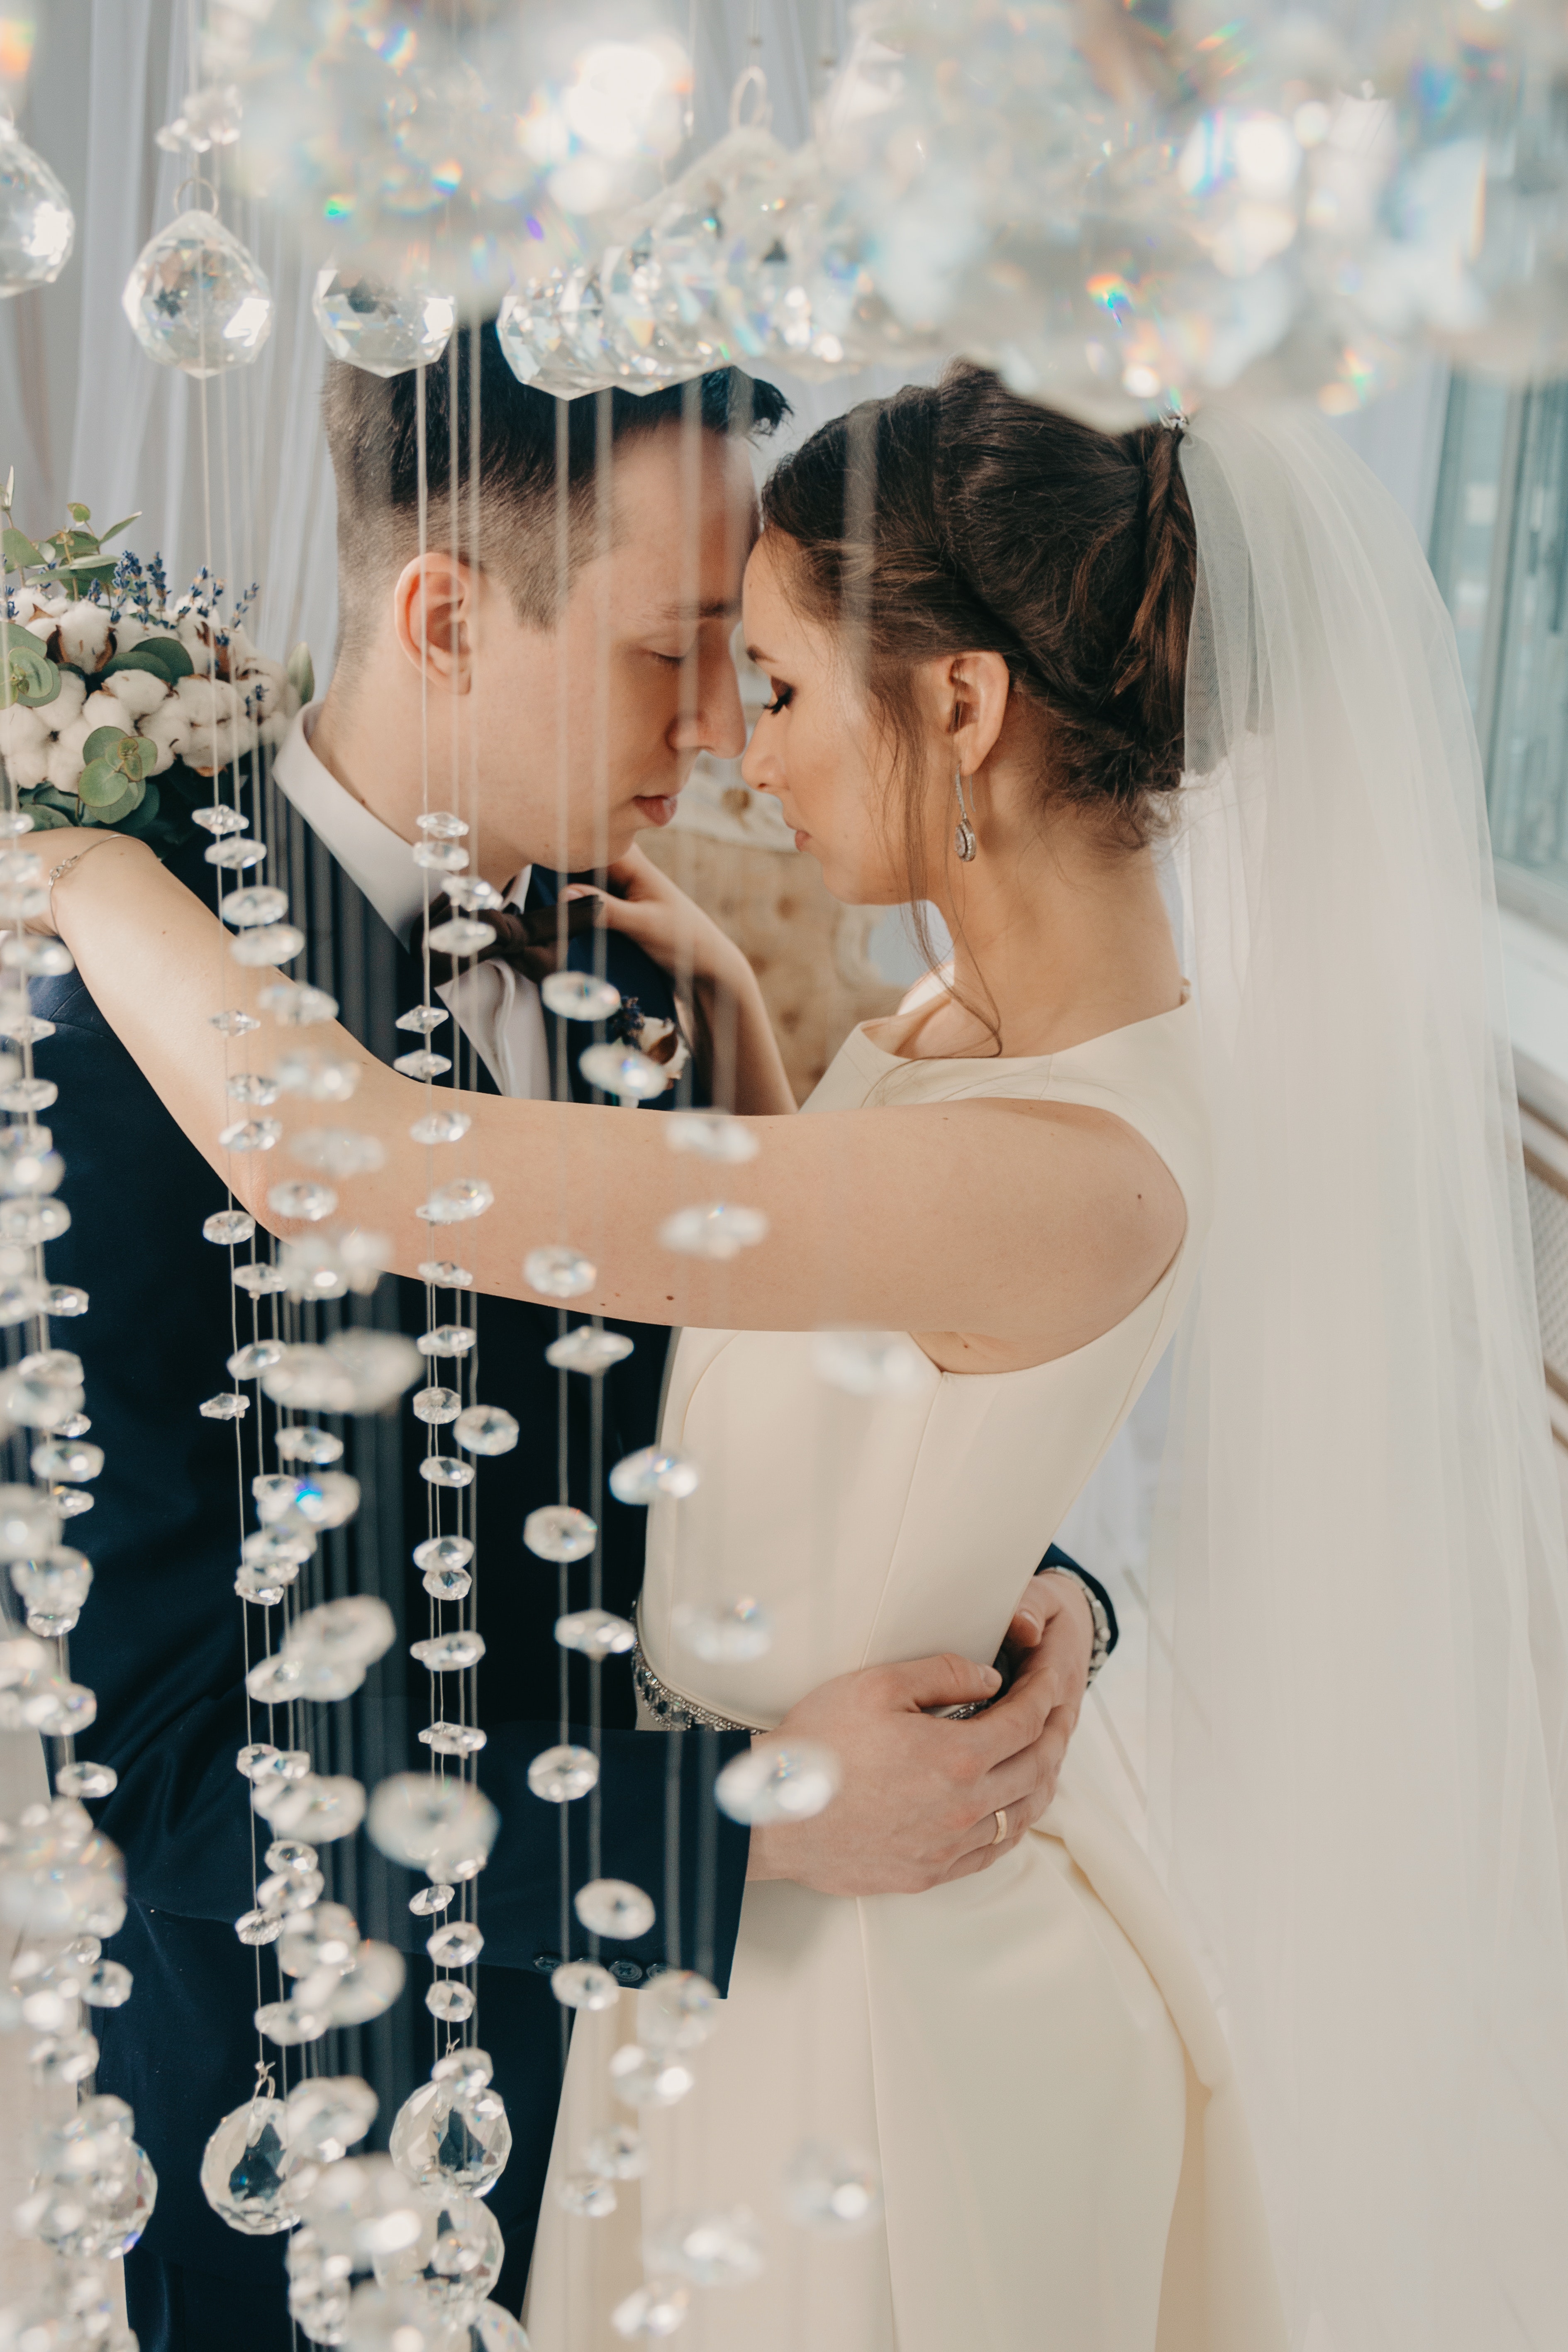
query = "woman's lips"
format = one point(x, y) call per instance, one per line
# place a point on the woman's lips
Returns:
point(658, 808)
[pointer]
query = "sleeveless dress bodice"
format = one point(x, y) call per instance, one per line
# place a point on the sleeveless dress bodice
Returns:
point(1027, 2055)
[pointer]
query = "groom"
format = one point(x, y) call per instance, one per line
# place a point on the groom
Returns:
point(614, 676)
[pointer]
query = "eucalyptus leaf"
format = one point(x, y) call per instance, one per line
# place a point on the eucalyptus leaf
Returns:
point(116, 528)
point(115, 812)
point(103, 744)
point(142, 820)
point(100, 784)
point(18, 548)
point(301, 672)
point(45, 818)
point(166, 657)
point(142, 757)
point(29, 677)
point(78, 512)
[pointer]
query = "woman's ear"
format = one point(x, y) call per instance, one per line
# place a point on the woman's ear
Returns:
point(433, 613)
point(976, 687)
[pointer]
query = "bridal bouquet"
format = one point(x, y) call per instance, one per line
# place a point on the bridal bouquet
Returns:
point(119, 702)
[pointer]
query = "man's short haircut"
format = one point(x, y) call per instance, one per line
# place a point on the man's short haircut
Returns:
point(373, 437)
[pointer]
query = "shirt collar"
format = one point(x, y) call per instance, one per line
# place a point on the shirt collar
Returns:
point(376, 860)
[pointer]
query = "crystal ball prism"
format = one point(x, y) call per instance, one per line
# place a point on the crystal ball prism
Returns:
point(386, 330)
point(246, 2169)
point(196, 299)
point(38, 228)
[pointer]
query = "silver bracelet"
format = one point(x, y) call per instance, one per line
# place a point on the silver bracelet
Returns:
point(1101, 1650)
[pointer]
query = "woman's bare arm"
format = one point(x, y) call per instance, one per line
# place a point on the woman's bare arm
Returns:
point(1036, 1226)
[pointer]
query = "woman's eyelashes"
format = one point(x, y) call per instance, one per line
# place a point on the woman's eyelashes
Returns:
point(783, 697)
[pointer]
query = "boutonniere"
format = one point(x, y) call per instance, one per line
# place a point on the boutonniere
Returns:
point(657, 1040)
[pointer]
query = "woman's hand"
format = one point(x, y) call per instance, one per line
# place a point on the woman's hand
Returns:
point(666, 924)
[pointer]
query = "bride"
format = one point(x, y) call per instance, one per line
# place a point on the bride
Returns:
point(1008, 654)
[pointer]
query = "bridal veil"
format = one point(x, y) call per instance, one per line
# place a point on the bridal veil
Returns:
point(1360, 1689)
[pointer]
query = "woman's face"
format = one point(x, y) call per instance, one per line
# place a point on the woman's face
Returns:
point(816, 747)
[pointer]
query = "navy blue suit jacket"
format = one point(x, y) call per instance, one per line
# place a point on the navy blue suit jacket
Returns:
point(161, 1641)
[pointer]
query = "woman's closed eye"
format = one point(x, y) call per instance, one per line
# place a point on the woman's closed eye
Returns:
point(783, 697)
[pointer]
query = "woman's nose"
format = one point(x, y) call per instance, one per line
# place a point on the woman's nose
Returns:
point(762, 768)
point(718, 723)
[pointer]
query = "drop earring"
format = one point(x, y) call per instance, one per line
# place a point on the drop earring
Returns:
point(964, 839)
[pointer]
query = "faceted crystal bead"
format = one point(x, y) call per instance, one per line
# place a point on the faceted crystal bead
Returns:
point(715, 2249)
point(100, 2226)
point(588, 1349)
point(446, 1340)
point(324, 1937)
point(445, 1827)
point(461, 935)
point(422, 1063)
point(264, 1586)
point(196, 299)
point(236, 856)
point(677, 2010)
point(449, 2000)
point(456, 1946)
point(443, 1126)
point(109, 1986)
point(318, 1078)
point(288, 1891)
point(612, 1906)
point(595, 1633)
point(259, 1281)
point(296, 1197)
point(83, 1779)
point(63, 2058)
point(328, 2116)
point(320, 1807)
point(259, 1927)
point(486, 1429)
point(445, 1470)
point(711, 1135)
point(445, 1274)
point(430, 1900)
point(341, 1151)
point(21, 1300)
point(281, 1551)
point(250, 1086)
point(290, 1853)
point(453, 1739)
point(443, 1552)
point(455, 2262)
point(719, 1230)
point(32, 1220)
point(656, 2308)
point(273, 943)
point(450, 1204)
point(579, 996)
point(29, 1095)
point(246, 2169)
point(354, 1632)
point(449, 1653)
point(361, 2207)
point(226, 1407)
point(258, 904)
point(259, 1757)
point(835, 2191)
point(778, 1780)
point(452, 2133)
point(475, 895)
point(381, 1365)
point(422, 1019)
point(310, 1380)
point(55, 1459)
point(71, 1501)
point(559, 1271)
point(441, 825)
point(558, 1532)
point(368, 1988)
point(250, 1135)
point(621, 1070)
point(723, 1632)
point(61, 1580)
point(583, 1984)
point(302, 1443)
point(329, 1265)
point(328, 1498)
point(38, 228)
point(870, 1363)
point(219, 819)
point(559, 1774)
point(587, 2194)
point(229, 1227)
point(642, 1476)
point(296, 1005)
point(649, 2078)
point(447, 1583)
point(386, 330)
point(617, 2153)
point(436, 1405)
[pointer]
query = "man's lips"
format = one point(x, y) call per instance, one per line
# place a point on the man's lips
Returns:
point(658, 808)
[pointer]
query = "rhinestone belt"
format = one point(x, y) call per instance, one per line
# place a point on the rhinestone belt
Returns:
point(674, 1712)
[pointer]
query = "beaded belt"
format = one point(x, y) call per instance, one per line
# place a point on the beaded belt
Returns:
point(673, 1712)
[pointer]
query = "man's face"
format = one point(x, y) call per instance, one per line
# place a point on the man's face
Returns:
point(582, 735)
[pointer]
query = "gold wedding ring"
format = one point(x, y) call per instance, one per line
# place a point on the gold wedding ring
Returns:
point(1001, 1826)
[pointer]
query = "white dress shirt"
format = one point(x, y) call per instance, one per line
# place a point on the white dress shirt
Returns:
point(496, 1006)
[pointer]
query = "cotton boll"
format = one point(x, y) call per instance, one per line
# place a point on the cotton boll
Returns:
point(262, 683)
point(169, 727)
point(208, 701)
point(84, 635)
point(67, 754)
point(138, 692)
point(68, 704)
point(105, 708)
point(212, 748)
point(24, 731)
point(128, 632)
point(196, 636)
point(29, 767)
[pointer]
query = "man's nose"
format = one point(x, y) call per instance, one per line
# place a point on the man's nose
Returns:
point(718, 724)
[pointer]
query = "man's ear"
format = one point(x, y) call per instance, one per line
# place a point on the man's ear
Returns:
point(435, 614)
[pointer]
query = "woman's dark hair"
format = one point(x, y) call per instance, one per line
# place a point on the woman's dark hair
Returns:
point(960, 519)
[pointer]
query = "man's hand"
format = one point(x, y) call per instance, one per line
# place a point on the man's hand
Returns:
point(920, 1796)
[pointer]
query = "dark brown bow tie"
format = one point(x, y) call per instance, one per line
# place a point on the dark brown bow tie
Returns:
point(529, 938)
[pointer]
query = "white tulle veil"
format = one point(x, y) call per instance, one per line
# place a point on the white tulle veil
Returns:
point(1359, 1685)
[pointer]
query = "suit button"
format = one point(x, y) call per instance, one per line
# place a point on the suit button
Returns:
point(625, 1973)
point(547, 1962)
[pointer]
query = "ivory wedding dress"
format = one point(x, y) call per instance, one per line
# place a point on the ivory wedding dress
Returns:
point(1028, 2055)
